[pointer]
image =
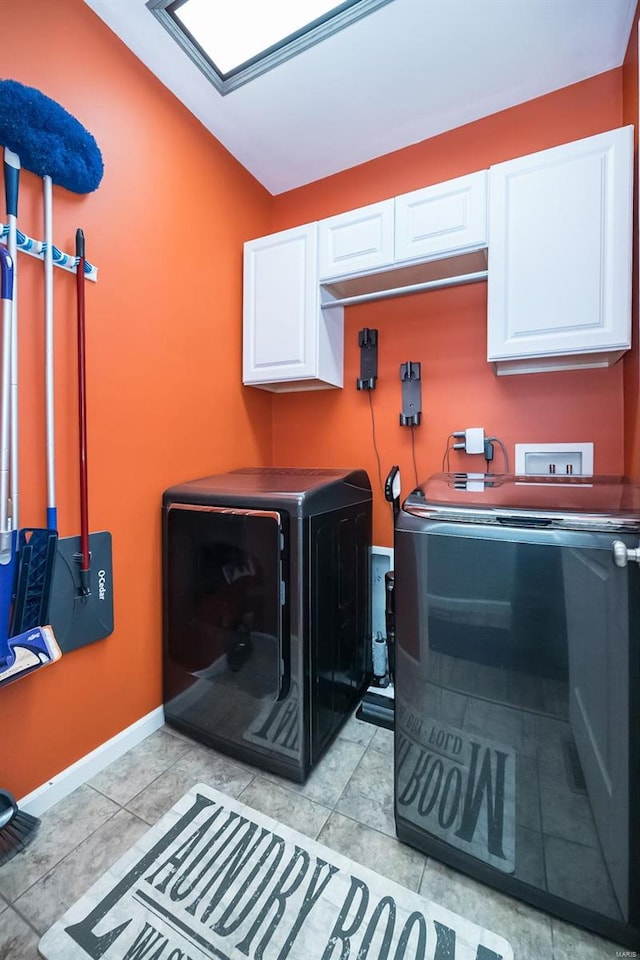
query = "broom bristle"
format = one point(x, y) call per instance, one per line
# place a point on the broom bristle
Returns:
point(17, 833)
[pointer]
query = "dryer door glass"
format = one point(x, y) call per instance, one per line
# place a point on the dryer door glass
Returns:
point(225, 598)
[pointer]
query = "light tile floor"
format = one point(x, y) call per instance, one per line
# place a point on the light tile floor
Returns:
point(347, 804)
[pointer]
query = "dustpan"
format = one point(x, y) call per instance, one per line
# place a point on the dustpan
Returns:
point(80, 618)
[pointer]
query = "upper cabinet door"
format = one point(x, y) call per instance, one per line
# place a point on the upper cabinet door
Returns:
point(357, 241)
point(560, 252)
point(281, 306)
point(438, 220)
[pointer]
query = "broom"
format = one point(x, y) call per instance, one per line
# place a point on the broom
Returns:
point(17, 828)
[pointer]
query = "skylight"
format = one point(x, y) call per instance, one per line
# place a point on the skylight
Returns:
point(233, 41)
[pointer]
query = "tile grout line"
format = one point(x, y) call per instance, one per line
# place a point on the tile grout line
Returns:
point(25, 919)
point(315, 803)
point(553, 938)
point(335, 810)
point(351, 775)
point(422, 873)
point(375, 830)
point(192, 746)
point(54, 866)
point(13, 904)
point(150, 784)
point(68, 853)
point(386, 835)
point(188, 749)
point(284, 784)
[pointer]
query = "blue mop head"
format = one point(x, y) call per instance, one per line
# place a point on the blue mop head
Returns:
point(48, 140)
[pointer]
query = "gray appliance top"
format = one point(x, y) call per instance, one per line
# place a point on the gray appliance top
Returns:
point(592, 503)
point(275, 480)
point(304, 491)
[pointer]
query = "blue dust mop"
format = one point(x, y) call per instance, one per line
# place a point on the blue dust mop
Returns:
point(49, 141)
point(39, 134)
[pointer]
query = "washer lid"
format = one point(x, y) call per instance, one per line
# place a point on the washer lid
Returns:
point(593, 503)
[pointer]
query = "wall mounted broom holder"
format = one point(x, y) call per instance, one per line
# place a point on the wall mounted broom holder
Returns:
point(37, 248)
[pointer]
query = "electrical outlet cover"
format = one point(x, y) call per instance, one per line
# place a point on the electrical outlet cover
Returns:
point(542, 459)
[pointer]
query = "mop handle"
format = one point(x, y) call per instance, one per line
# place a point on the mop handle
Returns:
point(6, 293)
point(11, 167)
point(82, 412)
point(52, 519)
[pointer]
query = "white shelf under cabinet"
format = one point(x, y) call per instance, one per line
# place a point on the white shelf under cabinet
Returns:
point(559, 293)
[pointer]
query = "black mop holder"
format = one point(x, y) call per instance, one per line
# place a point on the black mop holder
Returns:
point(368, 343)
point(411, 394)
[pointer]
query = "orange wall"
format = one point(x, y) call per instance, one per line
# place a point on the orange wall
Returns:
point(164, 347)
point(446, 330)
point(632, 358)
point(165, 401)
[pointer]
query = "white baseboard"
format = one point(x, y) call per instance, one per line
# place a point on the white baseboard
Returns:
point(65, 782)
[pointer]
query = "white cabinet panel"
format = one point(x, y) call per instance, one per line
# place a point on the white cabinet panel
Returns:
point(356, 241)
point(560, 253)
point(289, 343)
point(442, 218)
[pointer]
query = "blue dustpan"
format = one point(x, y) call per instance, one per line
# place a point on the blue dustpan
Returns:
point(36, 558)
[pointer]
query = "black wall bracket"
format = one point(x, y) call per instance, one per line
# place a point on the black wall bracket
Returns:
point(368, 342)
point(411, 394)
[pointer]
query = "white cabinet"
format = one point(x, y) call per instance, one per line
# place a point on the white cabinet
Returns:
point(289, 342)
point(357, 241)
point(558, 225)
point(441, 219)
point(422, 225)
point(560, 256)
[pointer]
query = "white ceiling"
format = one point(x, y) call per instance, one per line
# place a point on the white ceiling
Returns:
point(408, 71)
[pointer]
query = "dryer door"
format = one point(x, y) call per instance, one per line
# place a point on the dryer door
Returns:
point(225, 599)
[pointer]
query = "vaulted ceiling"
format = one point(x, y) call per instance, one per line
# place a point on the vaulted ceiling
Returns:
point(408, 71)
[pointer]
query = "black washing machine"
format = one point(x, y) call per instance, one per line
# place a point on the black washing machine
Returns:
point(267, 623)
point(517, 604)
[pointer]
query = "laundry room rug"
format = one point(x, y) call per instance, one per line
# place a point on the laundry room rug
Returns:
point(216, 880)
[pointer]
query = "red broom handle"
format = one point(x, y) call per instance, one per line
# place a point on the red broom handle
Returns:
point(82, 415)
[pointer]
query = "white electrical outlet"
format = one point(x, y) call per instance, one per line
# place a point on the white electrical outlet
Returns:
point(554, 459)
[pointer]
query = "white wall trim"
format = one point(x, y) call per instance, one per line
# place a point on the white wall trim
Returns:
point(65, 782)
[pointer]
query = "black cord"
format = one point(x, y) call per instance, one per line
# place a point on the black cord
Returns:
point(375, 443)
point(504, 451)
point(445, 455)
point(413, 451)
